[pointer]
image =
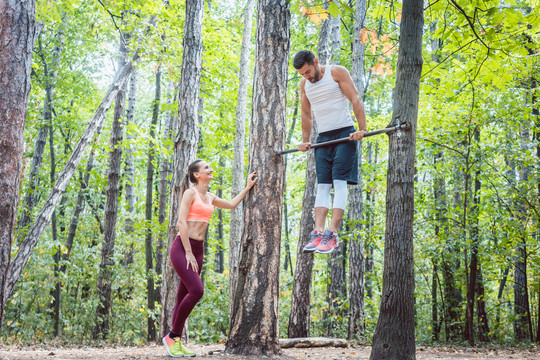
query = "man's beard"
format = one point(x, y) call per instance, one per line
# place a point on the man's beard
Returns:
point(316, 76)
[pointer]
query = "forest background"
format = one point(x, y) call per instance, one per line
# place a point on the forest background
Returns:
point(477, 184)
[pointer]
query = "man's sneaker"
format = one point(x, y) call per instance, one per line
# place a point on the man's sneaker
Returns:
point(314, 240)
point(329, 243)
point(186, 351)
point(173, 346)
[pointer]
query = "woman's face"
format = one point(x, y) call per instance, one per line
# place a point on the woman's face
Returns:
point(205, 172)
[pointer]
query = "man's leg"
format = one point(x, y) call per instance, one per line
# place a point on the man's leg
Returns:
point(337, 215)
point(320, 218)
point(330, 239)
point(339, 204)
point(322, 204)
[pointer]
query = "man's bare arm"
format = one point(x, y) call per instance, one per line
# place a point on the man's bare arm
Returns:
point(306, 118)
point(343, 78)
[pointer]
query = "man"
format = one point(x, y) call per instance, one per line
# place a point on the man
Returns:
point(327, 91)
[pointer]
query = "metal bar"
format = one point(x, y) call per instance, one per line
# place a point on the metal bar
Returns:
point(344, 140)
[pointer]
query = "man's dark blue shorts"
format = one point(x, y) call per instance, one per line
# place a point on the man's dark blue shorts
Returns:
point(337, 162)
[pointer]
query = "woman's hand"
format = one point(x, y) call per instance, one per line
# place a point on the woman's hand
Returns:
point(251, 180)
point(190, 258)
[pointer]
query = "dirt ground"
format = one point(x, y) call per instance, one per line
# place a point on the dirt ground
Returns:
point(215, 352)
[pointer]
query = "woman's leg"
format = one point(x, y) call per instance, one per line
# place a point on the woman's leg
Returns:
point(191, 288)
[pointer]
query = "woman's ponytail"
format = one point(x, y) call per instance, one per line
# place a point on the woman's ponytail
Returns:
point(189, 177)
point(185, 184)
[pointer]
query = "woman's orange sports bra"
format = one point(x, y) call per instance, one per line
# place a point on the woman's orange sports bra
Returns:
point(199, 211)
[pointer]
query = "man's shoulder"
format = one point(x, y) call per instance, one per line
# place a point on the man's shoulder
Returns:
point(338, 70)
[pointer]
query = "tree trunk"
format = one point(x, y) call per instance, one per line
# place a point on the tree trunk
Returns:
point(254, 322)
point(164, 172)
point(288, 255)
point(394, 334)
point(481, 309)
point(50, 74)
point(356, 244)
point(185, 147)
point(370, 202)
point(96, 123)
point(218, 257)
point(148, 244)
point(475, 244)
point(522, 322)
point(130, 168)
point(337, 287)
point(439, 196)
point(77, 212)
point(299, 317)
point(237, 214)
point(102, 327)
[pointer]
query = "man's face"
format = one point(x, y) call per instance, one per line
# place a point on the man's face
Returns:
point(310, 72)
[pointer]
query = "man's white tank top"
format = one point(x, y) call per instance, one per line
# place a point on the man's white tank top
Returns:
point(328, 103)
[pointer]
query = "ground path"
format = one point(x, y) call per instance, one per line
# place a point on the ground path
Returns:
point(215, 352)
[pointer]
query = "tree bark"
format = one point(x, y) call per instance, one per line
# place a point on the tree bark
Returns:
point(219, 265)
point(237, 214)
point(148, 244)
point(372, 155)
point(254, 322)
point(522, 321)
point(394, 336)
point(129, 169)
point(31, 196)
point(164, 172)
point(42, 219)
point(104, 283)
point(475, 244)
point(481, 309)
point(356, 244)
point(312, 342)
point(185, 147)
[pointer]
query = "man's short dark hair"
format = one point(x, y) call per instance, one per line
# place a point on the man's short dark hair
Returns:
point(302, 58)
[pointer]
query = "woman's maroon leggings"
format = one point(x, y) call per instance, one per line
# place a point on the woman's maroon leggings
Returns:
point(191, 288)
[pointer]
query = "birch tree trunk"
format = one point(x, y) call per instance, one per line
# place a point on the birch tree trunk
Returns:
point(129, 169)
point(79, 207)
point(185, 147)
point(104, 283)
point(42, 219)
point(394, 336)
point(164, 172)
point(237, 214)
point(254, 322)
point(356, 243)
point(31, 196)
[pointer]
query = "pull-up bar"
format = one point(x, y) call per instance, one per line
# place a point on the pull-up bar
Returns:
point(344, 140)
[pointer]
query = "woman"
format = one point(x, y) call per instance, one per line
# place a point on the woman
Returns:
point(194, 214)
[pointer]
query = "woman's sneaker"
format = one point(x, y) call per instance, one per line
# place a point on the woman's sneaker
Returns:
point(186, 351)
point(174, 346)
point(314, 240)
point(329, 243)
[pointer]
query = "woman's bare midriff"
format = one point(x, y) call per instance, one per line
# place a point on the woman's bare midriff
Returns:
point(197, 229)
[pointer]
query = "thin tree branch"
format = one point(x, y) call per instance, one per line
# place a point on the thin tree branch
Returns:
point(444, 146)
point(468, 18)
